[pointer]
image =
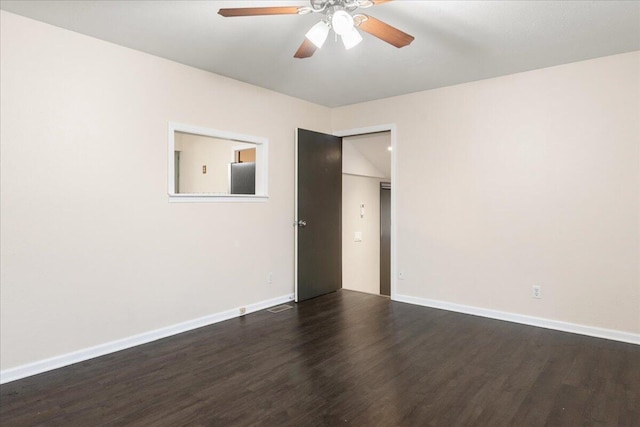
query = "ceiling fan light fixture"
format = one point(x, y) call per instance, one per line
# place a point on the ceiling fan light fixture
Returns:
point(351, 39)
point(341, 22)
point(318, 34)
point(363, 4)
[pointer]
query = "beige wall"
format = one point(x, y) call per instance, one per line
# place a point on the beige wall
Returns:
point(527, 179)
point(91, 250)
point(361, 260)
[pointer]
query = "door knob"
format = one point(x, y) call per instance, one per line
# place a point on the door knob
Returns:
point(301, 223)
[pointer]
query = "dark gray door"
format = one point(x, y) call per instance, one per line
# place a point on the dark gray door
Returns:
point(385, 238)
point(319, 214)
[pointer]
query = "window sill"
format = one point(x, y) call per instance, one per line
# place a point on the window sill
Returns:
point(213, 198)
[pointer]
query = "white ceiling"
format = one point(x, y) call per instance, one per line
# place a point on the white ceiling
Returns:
point(456, 41)
point(374, 148)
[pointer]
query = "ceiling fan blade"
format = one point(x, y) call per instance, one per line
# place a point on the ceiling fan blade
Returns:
point(256, 11)
point(306, 49)
point(377, 2)
point(386, 32)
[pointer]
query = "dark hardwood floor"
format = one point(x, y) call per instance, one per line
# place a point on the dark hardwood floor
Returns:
point(343, 359)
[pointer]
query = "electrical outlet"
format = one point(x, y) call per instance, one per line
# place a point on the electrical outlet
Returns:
point(243, 311)
point(401, 275)
point(537, 291)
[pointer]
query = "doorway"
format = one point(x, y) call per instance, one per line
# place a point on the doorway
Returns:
point(366, 161)
point(310, 169)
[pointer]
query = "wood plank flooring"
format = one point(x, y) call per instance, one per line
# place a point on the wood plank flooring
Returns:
point(343, 359)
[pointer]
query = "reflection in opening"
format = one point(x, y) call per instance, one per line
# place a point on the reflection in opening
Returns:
point(208, 165)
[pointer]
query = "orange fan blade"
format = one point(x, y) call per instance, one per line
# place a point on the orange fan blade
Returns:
point(306, 49)
point(377, 2)
point(386, 32)
point(255, 11)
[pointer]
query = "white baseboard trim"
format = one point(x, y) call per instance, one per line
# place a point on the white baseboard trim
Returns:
point(591, 331)
point(13, 374)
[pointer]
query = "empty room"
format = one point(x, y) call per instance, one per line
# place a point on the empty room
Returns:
point(319, 213)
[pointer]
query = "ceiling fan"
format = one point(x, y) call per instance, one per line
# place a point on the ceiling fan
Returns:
point(341, 16)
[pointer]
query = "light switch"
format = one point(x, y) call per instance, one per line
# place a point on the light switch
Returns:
point(357, 236)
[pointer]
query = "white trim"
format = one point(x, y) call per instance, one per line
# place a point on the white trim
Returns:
point(197, 198)
point(262, 165)
point(13, 374)
point(391, 128)
point(558, 325)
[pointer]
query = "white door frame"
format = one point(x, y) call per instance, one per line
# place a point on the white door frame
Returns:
point(391, 128)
